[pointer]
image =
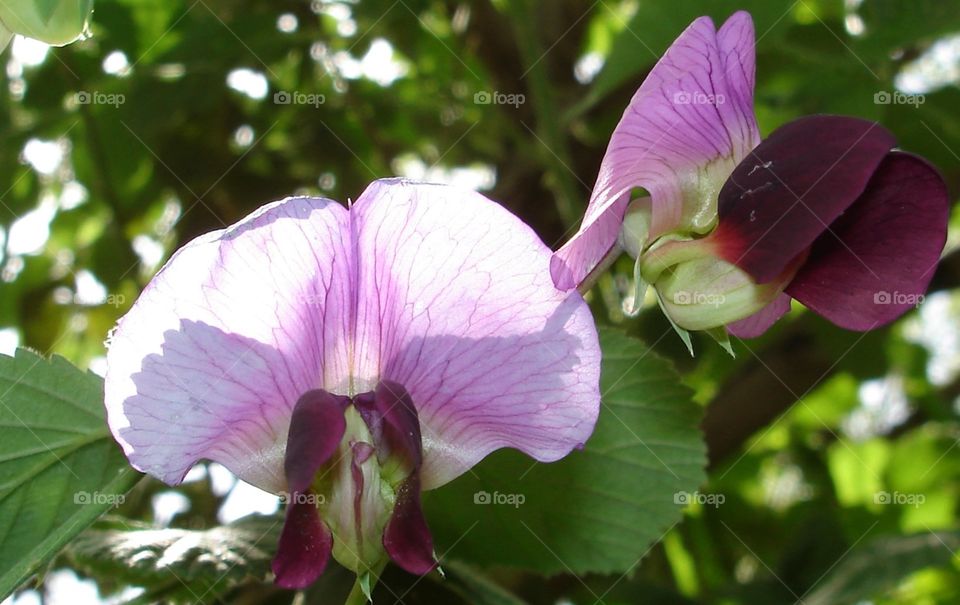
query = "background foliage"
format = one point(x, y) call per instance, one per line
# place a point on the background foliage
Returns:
point(833, 466)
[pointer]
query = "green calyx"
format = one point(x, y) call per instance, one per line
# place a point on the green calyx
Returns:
point(698, 290)
point(706, 293)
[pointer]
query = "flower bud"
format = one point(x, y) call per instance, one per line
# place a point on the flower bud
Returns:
point(700, 291)
point(708, 293)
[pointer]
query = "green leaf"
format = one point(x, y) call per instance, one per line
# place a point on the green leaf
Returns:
point(891, 25)
point(880, 565)
point(59, 467)
point(474, 587)
point(181, 565)
point(599, 509)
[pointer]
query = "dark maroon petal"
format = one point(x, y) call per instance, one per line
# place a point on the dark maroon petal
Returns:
point(316, 428)
point(392, 419)
point(305, 545)
point(407, 538)
point(876, 260)
point(758, 323)
point(783, 195)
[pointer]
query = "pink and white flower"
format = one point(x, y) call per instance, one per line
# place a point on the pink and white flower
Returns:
point(351, 358)
point(824, 210)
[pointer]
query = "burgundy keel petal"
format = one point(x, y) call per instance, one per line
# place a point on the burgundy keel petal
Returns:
point(786, 192)
point(407, 538)
point(304, 548)
point(876, 261)
point(316, 428)
point(392, 418)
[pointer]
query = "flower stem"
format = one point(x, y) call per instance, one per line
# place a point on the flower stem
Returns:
point(358, 594)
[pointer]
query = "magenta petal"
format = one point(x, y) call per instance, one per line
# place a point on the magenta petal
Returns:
point(407, 538)
point(691, 116)
point(876, 260)
point(794, 184)
point(737, 42)
point(225, 339)
point(578, 257)
point(316, 429)
point(456, 304)
point(758, 323)
point(304, 548)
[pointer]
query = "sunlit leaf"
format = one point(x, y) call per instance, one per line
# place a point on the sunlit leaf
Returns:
point(181, 565)
point(59, 467)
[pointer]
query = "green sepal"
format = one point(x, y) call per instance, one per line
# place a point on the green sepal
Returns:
point(683, 334)
point(722, 337)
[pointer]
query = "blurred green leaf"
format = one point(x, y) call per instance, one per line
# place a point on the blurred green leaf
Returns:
point(891, 25)
point(60, 467)
point(876, 567)
point(857, 469)
point(598, 509)
point(474, 587)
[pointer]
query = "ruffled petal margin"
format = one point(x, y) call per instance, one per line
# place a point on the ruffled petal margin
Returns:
point(221, 344)
point(457, 305)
